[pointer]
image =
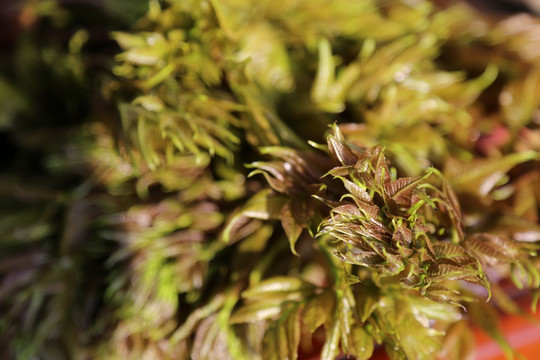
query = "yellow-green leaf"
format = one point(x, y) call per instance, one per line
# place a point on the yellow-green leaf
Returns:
point(292, 228)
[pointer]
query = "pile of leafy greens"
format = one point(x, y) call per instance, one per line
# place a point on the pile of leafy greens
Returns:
point(259, 179)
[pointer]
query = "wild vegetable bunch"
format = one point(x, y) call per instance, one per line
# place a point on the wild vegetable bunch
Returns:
point(263, 179)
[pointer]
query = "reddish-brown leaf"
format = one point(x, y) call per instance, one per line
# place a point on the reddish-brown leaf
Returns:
point(402, 235)
point(371, 211)
point(341, 150)
point(359, 193)
point(378, 161)
point(402, 189)
point(493, 249)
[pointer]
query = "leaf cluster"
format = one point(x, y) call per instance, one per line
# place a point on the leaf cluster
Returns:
point(143, 234)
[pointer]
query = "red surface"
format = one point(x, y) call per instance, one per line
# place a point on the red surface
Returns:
point(523, 335)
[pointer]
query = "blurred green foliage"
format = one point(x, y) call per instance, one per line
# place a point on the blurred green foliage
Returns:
point(233, 179)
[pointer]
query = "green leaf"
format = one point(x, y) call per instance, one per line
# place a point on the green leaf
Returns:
point(257, 312)
point(428, 310)
point(279, 288)
point(149, 102)
point(481, 176)
point(362, 342)
point(534, 300)
point(458, 343)
point(266, 56)
point(292, 228)
point(346, 318)
point(521, 98)
point(282, 338)
point(292, 326)
point(394, 352)
point(127, 40)
point(275, 343)
point(229, 17)
point(426, 342)
point(144, 56)
point(323, 89)
point(265, 128)
point(333, 334)
point(262, 206)
point(442, 294)
point(318, 310)
point(366, 303)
